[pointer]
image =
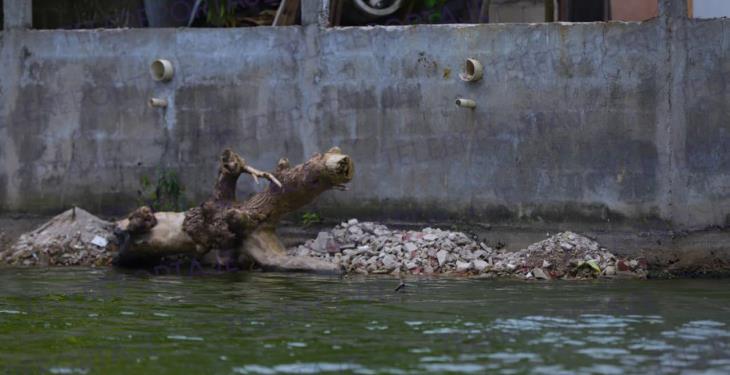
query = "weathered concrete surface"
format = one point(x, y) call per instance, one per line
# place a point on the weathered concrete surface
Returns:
point(17, 14)
point(595, 122)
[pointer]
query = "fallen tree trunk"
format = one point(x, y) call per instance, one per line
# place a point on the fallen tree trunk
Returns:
point(223, 223)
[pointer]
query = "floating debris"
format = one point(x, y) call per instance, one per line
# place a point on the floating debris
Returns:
point(371, 248)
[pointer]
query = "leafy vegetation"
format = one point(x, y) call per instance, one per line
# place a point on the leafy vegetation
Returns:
point(309, 218)
point(221, 14)
point(165, 194)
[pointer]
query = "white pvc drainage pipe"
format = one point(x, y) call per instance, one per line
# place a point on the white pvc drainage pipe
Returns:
point(466, 103)
point(162, 70)
point(473, 71)
point(158, 103)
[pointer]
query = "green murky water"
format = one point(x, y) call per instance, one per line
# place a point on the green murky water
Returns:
point(85, 321)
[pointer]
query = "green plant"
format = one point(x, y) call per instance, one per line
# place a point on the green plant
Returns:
point(221, 14)
point(435, 7)
point(166, 194)
point(309, 218)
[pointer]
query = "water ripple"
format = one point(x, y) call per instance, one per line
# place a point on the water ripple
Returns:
point(299, 368)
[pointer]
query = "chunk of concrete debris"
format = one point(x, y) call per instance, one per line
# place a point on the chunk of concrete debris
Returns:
point(480, 265)
point(320, 243)
point(441, 257)
point(463, 266)
point(539, 274)
point(609, 271)
point(99, 241)
point(430, 237)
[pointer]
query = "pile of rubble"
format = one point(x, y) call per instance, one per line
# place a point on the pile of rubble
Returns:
point(73, 238)
point(370, 248)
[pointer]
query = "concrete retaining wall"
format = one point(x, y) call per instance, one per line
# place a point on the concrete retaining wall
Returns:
point(599, 122)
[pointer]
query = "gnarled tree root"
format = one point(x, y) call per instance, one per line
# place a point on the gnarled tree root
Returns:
point(265, 249)
point(222, 223)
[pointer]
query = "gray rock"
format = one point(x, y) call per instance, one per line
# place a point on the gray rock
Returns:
point(539, 274)
point(480, 254)
point(389, 262)
point(441, 257)
point(462, 240)
point(447, 245)
point(364, 250)
point(381, 232)
point(466, 254)
point(463, 266)
point(367, 227)
point(320, 243)
point(609, 271)
point(480, 265)
point(430, 237)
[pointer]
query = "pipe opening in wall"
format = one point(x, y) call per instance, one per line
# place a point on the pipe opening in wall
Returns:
point(157, 103)
point(466, 103)
point(161, 70)
point(473, 71)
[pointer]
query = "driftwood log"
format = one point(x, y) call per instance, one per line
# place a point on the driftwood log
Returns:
point(245, 229)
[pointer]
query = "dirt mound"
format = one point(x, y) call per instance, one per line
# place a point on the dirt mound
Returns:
point(73, 238)
point(374, 248)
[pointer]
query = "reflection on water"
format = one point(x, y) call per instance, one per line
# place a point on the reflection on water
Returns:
point(81, 321)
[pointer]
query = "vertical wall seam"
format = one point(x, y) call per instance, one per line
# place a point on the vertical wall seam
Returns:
point(669, 36)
